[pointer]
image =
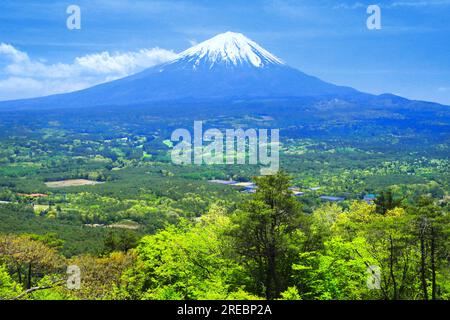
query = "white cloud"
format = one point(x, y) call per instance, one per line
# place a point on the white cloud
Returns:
point(10, 52)
point(193, 42)
point(356, 5)
point(416, 3)
point(23, 77)
point(124, 64)
point(394, 4)
point(16, 87)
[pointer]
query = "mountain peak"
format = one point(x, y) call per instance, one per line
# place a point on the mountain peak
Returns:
point(229, 49)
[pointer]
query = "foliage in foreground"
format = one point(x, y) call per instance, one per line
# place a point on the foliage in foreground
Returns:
point(267, 248)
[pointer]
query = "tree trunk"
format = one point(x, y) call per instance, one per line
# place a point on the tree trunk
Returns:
point(271, 277)
point(433, 265)
point(19, 273)
point(423, 264)
point(29, 276)
point(391, 268)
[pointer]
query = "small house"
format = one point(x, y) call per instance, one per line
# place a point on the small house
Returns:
point(332, 198)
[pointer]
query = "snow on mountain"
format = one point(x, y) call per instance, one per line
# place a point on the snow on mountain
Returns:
point(231, 49)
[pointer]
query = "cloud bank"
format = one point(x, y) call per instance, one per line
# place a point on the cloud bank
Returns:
point(24, 77)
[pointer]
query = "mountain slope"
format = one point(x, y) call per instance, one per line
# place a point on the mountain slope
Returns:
point(226, 67)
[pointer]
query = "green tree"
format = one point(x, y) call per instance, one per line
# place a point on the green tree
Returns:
point(432, 230)
point(385, 201)
point(190, 261)
point(100, 276)
point(339, 272)
point(29, 259)
point(50, 239)
point(268, 234)
point(388, 245)
point(120, 240)
point(8, 287)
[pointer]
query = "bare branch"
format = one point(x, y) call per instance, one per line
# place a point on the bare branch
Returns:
point(28, 291)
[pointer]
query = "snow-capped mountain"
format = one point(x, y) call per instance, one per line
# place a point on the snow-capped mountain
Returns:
point(232, 77)
point(229, 49)
point(226, 67)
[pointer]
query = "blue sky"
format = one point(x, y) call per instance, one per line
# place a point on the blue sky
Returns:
point(409, 56)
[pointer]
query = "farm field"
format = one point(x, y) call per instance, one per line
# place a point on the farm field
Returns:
point(71, 183)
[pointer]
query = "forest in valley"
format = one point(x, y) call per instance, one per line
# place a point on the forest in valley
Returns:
point(349, 216)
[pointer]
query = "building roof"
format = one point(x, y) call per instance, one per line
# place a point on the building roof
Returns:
point(332, 198)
